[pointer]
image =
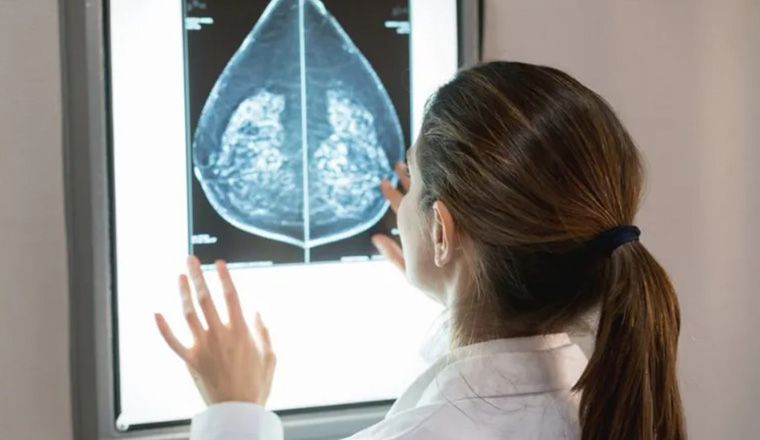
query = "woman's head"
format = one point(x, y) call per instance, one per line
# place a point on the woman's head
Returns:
point(516, 169)
point(523, 161)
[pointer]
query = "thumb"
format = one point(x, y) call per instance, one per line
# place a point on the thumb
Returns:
point(388, 247)
point(199, 384)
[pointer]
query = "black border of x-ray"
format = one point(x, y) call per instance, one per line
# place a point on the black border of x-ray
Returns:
point(90, 231)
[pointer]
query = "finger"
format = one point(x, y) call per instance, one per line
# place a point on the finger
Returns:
point(204, 296)
point(230, 294)
point(263, 333)
point(403, 175)
point(189, 308)
point(392, 194)
point(390, 249)
point(169, 337)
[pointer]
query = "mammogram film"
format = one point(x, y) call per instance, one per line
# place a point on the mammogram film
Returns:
point(298, 131)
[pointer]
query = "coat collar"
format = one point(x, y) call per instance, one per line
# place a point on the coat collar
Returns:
point(496, 368)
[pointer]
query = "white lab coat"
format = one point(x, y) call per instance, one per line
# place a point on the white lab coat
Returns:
point(516, 388)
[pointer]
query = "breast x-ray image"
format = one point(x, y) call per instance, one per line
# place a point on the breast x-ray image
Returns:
point(297, 110)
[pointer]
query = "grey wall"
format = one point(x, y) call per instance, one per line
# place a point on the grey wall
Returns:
point(683, 76)
point(34, 369)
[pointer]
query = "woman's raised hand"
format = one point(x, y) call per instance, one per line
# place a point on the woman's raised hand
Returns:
point(229, 362)
point(385, 244)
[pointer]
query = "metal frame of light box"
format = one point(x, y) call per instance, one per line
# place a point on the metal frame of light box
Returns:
point(89, 228)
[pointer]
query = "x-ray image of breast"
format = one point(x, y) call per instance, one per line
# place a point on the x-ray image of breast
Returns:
point(298, 131)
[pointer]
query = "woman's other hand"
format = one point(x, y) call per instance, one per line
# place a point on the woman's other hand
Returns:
point(385, 244)
point(229, 362)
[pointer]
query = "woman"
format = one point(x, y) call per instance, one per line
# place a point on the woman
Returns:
point(521, 192)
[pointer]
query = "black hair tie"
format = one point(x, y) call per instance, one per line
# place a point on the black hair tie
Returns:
point(608, 241)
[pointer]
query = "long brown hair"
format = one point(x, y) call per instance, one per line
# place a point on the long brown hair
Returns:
point(533, 165)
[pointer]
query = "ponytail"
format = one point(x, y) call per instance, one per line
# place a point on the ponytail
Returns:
point(629, 387)
point(531, 163)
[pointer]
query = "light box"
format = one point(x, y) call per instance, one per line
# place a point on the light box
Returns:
point(256, 132)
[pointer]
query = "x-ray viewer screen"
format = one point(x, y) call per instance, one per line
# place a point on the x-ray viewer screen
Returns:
point(258, 131)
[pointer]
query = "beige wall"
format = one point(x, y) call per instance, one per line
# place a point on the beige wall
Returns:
point(34, 369)
point(685, 78)
point(682, 74)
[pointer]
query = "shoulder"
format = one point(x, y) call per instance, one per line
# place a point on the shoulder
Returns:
point(542, 417)
point(411, 424)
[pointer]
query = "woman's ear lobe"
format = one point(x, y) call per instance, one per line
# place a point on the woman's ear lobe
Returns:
point(443, 234)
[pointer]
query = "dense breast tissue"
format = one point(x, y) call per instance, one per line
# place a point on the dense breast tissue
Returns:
point(298, 131)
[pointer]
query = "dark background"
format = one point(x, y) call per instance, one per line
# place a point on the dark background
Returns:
point(207, 52)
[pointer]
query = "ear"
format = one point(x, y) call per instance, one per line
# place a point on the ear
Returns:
point(444, 234)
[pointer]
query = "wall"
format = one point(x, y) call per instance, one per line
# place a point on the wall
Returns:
point(34, 369)
point(683, 77)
